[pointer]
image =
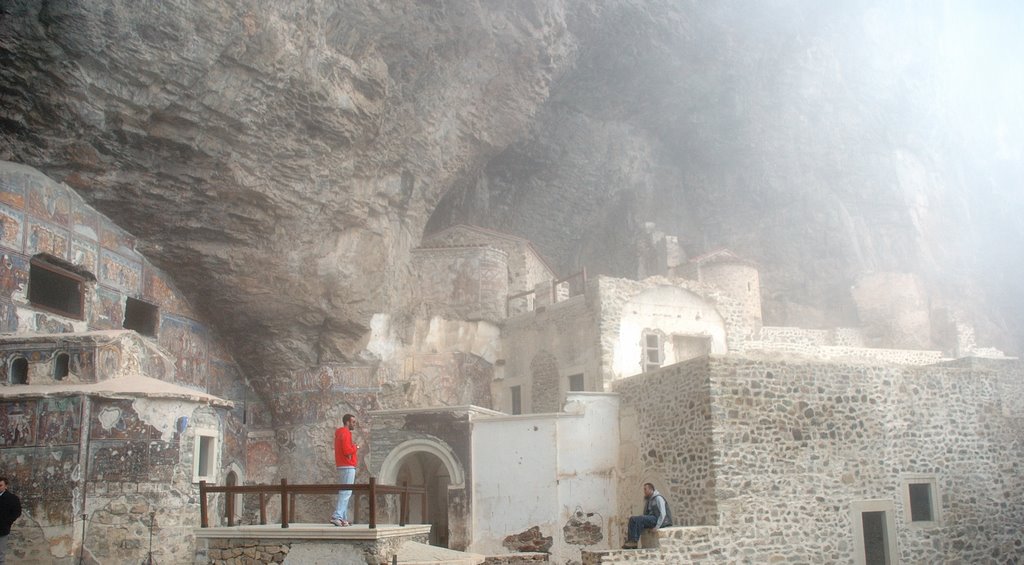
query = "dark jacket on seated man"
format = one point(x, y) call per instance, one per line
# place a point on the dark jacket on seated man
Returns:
point(656, 515)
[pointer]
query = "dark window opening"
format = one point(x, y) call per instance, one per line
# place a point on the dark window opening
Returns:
point(141, 316)
point(876, 549)
point(19, 371)
point(61, 366)
point(53, 288)
point(576, 382)
point(921, 502)
point(517, 400)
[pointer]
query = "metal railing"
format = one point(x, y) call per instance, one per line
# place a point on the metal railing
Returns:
point(289, 492)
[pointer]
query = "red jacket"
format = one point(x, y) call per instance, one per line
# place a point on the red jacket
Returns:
point(344, 448)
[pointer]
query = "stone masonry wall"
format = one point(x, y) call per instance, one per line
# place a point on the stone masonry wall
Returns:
point(671, 444)
point(796, 443)
point(616, 293)
point(464, 283)
point(565, 335)
point(526, 269)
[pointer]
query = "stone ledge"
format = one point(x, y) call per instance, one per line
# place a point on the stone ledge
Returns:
point(312, 531)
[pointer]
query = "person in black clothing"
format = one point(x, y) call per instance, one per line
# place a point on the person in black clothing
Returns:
point(10, 510)
point(656, 515)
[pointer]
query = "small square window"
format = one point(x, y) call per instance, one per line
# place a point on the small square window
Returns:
point(141, 316)
point(920, 500)
point(576, 382)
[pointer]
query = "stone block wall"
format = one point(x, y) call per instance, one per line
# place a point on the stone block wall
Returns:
point(525, 266)
point(232, 551)
point(797, 443)
point(671, 443)
point(741, 282)
point(543, 348)
point(463, 283)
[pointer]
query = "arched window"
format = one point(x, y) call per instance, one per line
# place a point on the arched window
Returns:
point(61, 366)
point(19, 371)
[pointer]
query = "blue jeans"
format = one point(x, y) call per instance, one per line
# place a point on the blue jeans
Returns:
point(346, 476)
point(637, 524)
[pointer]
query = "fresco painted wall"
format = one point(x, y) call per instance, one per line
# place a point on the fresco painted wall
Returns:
point(139, 456)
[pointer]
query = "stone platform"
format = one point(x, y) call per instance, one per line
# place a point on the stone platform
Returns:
point(315, 544)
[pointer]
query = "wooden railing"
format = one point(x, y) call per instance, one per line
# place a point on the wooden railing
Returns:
point(288, 493)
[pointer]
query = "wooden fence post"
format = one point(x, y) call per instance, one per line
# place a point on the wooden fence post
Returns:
point(373, 502)
point(203, 519)
point(284, 503)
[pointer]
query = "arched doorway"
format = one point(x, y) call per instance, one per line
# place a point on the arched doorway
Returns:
point(430, 465)
point(232, 501)
point(424, 470)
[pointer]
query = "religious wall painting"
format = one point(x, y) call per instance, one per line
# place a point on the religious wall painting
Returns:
point(47, 238)
point(234, 439)
point(59, 421)
point(18, 423)
point(187, 342)
point(119, 272)
point(108, 361)
point(431, 380)
point(261, 460)
point(12, 187)
point(107, 310)
point(154, 365)
point(492, 276)
point(117, 419)
point(115, 239)
point(85, 221)
point(13, 274)
point(47, 324)
point(83, 364)
point(162, 458)
point(8, 316)
point(158, 290)
point(119, 461)
point(50, 474)
point(476, 374)
point(84, 253)
point(226, 380)
point(12, 225)
point(48, 200)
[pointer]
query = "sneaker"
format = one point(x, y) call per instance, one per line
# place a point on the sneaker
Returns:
point(629, 545)
point(338, 522)
point(346, 523)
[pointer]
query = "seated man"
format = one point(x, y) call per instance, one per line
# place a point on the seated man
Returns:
point(656, 515)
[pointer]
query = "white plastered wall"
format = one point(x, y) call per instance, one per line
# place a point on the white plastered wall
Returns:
point(536, 470)
point(674, 312)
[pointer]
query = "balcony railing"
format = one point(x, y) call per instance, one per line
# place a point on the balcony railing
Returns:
point(288, 493)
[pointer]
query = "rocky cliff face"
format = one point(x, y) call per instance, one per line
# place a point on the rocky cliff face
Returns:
point(280, 159)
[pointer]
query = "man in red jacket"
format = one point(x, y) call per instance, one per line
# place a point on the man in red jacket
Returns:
point(345, 459)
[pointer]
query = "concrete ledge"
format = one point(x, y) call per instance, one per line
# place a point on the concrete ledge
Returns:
point(359, 532)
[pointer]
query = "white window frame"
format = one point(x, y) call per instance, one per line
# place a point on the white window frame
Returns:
point(645, 364)
point(933, 491)
point(213, 454)
point(861, 506)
